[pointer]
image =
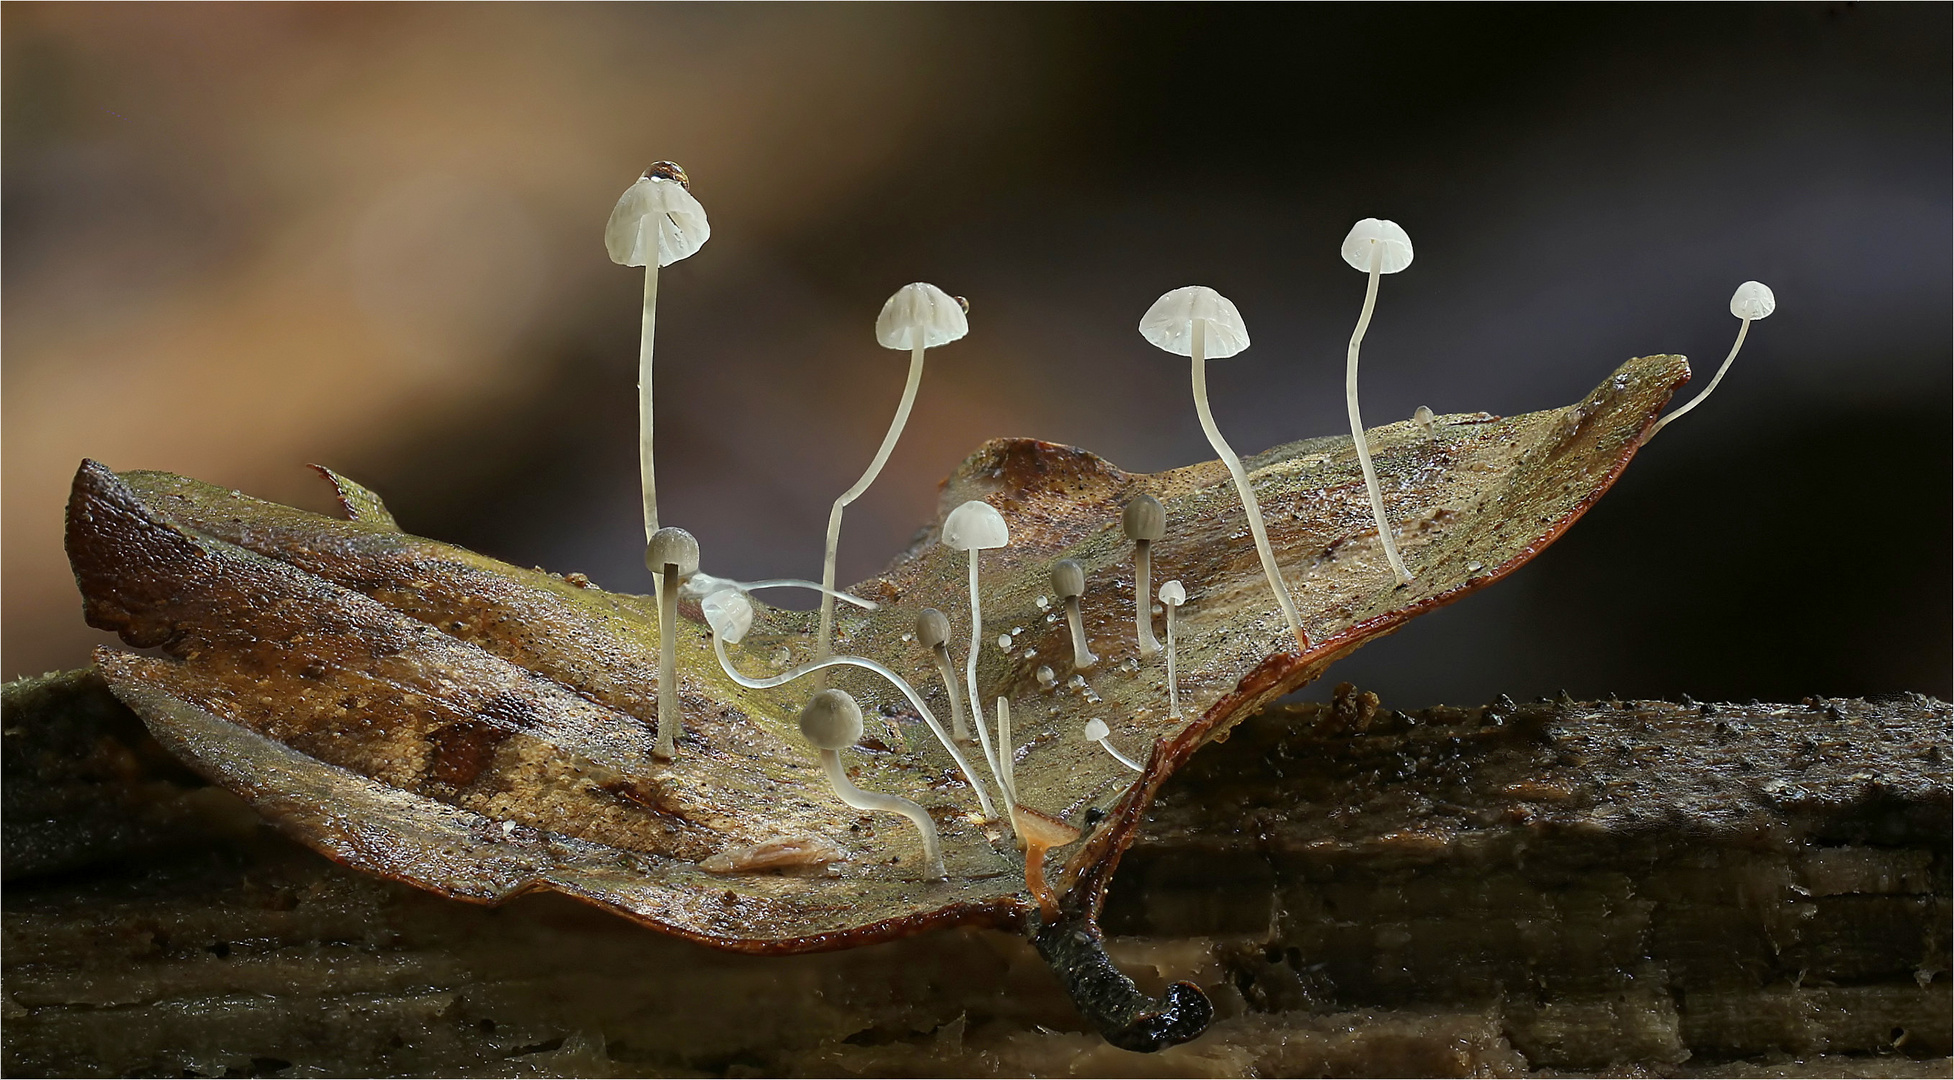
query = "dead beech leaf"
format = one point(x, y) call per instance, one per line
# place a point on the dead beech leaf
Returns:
point(428, 714)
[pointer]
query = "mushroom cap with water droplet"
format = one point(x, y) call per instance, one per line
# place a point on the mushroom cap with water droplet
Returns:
point(1068, 578)
point(832, 720)
point(975, 525)
point(920, 308)
point(932, 627)
point(1169, 323)
point(1144, 518)
point(729, 613)
point(1371, 234)
point(655, 218)
point(672, 545)
point(1097, 730)
point(1173, 593)
point(1753, 300)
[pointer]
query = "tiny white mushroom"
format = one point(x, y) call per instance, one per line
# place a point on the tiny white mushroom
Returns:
point(730, 614)
point(1753, 300)
point(655, 223)
point(1374, 247)
point(1423, 417)
point(1145, 522)
point(976, 526)
point(918, 317)
point(672, 556)
point(933, 633)
point(1047, 678)
point(1097, 731)
point(1069, 582)
point(831, 723)
point(1198, 322)
point(1173, 595)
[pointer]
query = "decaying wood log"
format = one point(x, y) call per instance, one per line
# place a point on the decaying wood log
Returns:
point(1680, 889)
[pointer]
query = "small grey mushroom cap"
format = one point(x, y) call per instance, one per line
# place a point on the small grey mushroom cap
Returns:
point(1753, 300)
point(932, 627)
point(1173, 593)
point(655, 219)
point(1371, 234)
point(672, 545)
point(1068, 578)
point(1144, 518)
point(1097, 730)
point(921, 314)
point(729, 613)
point(832, 720)
point(1169, 323)
point(975, 525)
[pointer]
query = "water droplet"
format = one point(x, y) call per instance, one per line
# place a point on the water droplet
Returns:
point(908, 637)
point(1029, 653)
point(1045, 677)
point(1004, 642)
point(1076, 681)
point(1474, 567)
point(1044, 602)
point(1051, 618)
point(1016, 630)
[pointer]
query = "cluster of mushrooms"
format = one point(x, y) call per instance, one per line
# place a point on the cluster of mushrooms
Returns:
point(658, 222)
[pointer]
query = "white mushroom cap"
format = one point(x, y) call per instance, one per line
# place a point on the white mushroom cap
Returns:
point(1753, 300)
point(1173, 593)
point(832, 720)
point(1372, 233)
point(975, 525)
point(672, 545)
point(920, 314)
point(1097, 730)
point(729, 613)
point(655, 216)
point(1169, 323)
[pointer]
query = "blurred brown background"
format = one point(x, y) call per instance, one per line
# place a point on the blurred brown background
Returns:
point(241, 238)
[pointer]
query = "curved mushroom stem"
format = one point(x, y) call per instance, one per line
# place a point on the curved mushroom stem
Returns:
point(1173, 682)
point(1107, 745)
point(1143, 597)
point(847, 792)
point(647, 479)
point(970, 671)
point(863, 662)
point(1698, 399)
point(825, 642)
point(1130, 1020)
point(1006, 757)
point(1082, 657)
point(1357, 437)
point(1242, 488)
point(951, 690)
point(670, 723)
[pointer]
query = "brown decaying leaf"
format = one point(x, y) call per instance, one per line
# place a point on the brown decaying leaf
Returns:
point(428, 714)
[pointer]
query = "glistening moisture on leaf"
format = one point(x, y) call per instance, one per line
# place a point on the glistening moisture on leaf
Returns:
point(425, 713)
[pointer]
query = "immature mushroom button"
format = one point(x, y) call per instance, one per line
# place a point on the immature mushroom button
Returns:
point(831, 723)
point(1069, 582)
point(1200, 323)
point(655, 223)
point(933, 633)
point(1173, 595)
point(671, 556)
point(918, 317)
point(1097, 731)
point(973, 527)
point(1145, 522)
point(1753, 300)
point(1376, 247)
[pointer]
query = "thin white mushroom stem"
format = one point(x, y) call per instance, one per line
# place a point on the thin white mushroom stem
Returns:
point(947, 671)
point(1242, 488)
point(970, 672)
point(1742, 331)
point(863, 662)
point(670, 722)
point(647, 478)
point(1357, 436)
point(847, 792)
point(824, 643)
point(1007, 755)
point(1143, 597)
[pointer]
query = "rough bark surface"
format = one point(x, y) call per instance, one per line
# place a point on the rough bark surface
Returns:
point(1636, 887)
